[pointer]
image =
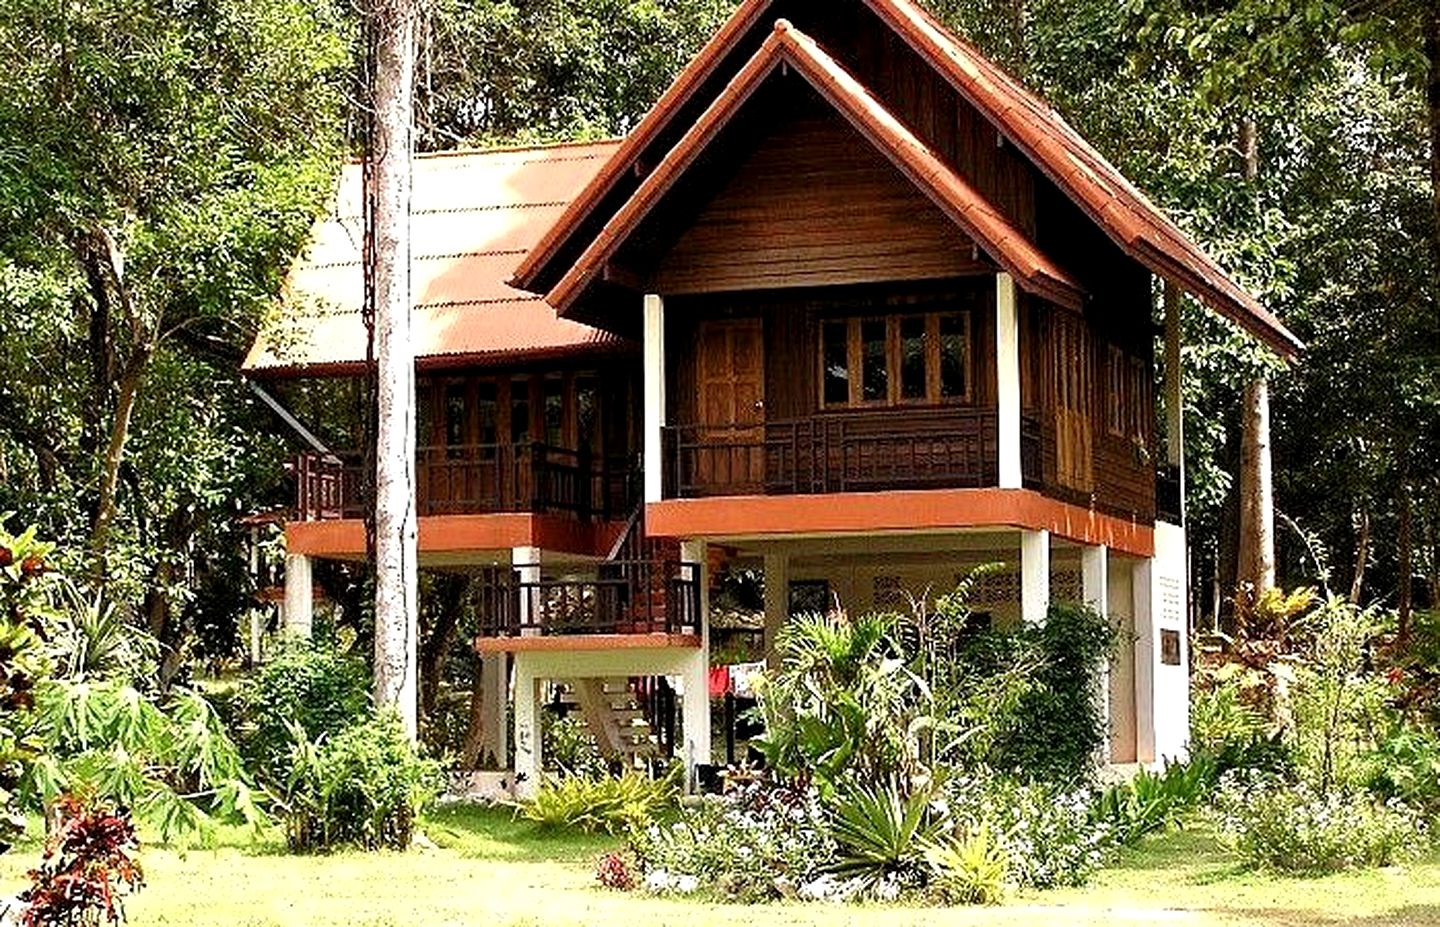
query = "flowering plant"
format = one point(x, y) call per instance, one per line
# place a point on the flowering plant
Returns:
point(87, 868)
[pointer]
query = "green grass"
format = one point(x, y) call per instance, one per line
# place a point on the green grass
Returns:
point(490, 870)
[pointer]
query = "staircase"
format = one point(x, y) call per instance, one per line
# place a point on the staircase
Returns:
point(616, 718)
point(647, 566)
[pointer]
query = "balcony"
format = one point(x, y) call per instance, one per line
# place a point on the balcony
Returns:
point(473, 479)
point(625, 597)
point(843, 452)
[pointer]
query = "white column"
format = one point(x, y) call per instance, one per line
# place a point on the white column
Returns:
point(777, 602)
point(1034, 576)
point(495, 693)
point(525, 561)
point(528, 758)
point(1170, 674)
point(654, 362)
point(1146, 656)
point(257, 630)
point(1007, 383)
point(696, 707)
point(299, 610)
point(1094, 585)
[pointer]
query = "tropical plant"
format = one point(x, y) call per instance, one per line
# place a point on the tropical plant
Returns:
point(1152, 801)
point(87, 869)
point(882, 833)
point(604, 804)
point(971, 869)
point(365, 787)
point(25, 663)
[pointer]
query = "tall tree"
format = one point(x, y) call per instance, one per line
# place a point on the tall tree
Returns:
point(391, 147)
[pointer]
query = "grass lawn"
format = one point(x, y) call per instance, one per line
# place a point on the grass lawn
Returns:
point(494, 872)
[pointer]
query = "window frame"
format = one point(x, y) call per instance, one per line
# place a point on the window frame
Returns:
point(894, 360)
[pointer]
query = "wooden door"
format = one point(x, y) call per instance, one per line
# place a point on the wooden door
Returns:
point(730, 452)
point(1071, 381)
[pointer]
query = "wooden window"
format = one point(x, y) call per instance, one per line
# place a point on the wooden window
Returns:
point(1070, 379)
point(456, 415)
point(488, 414)
point(1139, 399)
point(890, 360)
point(554, 411)
point(520, 432)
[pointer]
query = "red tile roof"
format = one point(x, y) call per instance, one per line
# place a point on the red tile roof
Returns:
point(967, 208)
point(1112, 202)
point(475, 214)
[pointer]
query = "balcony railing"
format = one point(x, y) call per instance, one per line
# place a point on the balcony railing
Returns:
point(625, 597)
point(842, 452)
point(473, 479)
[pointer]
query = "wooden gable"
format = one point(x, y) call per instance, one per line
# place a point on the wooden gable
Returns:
point(815, 204)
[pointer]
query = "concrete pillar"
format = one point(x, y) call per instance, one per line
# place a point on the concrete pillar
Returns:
point(495, 695)
point(777, 601)
point(695, 719)
point(1142, 584)
point(299, 608)
point(1169, 673)
point(257, 631)
point(1007, 371)
point(1094, 584)
point(525, 561)
point(1034, 576)
point(529, 760)
point(654, 418)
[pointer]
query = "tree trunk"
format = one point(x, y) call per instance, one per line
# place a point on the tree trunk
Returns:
point(1257, 504)
point(126, 396)
point(1404, 599)
point(474, 740)
point(1432, 103)
point(435, 650)
point(1362, 555)
point(396, 570)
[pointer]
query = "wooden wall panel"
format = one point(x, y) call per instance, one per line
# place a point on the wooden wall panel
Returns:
point(816, 204)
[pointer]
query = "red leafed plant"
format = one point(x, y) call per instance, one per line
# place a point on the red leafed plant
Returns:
point(614, 872)
point(87, 868)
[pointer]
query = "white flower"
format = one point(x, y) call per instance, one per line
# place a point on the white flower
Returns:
point(657, 880)
point(686, 884)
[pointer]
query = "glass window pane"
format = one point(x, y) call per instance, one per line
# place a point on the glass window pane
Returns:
point(875, 382)
point(587, 413)
point(837, 363)
point(912, 357)
point(520, 410)
point(954, 356)
point(455, 412)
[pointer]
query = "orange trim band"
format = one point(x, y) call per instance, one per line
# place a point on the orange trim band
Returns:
point(345, 539)
point(909, 510)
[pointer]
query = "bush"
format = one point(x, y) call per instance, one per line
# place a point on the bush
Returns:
point(755, 843)
point(1287, 827)
point(973, 869)
point(605, 804)
point(1048, 833)
point(88, 867)
point(312, 686)
point(613, 872)
point(364, 788)
point(1406, 766)
point(1153, 801)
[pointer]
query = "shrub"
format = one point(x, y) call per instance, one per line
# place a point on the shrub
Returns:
point(1287, 827)
point(605, 804)
point(313, 686)
point(973, 869)
point(755, 843)
point(25, 622)
point(1406, 766)
point(1153, 801)
point(87, 868)
point(1048, 832)
point(364, 788)
point(613, 872)
point(881, 835)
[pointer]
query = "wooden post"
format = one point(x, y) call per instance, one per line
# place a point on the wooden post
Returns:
point(654, 364)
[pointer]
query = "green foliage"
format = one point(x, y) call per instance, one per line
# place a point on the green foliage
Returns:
point(170, 760)
point(973, 869)
point(363, 788)
point(1151, 801)
point(881, 834)
point(570, 747)
point(1289, 827)
point(603, 804)
point(758, 842)
point(1405, 766)
point(312, 686)
point(1048, 832)
point(25, 622)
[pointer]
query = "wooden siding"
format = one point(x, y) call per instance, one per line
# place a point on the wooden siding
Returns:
point(814, 205)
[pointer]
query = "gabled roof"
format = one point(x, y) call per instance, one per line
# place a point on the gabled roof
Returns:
point(1134, 223)
point(985, 225)
point(475, 214)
